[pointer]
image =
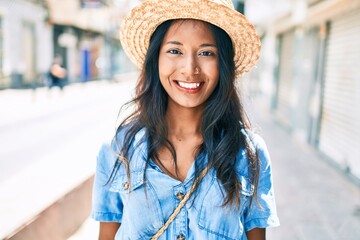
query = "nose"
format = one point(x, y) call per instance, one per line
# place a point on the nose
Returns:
point(190, 66)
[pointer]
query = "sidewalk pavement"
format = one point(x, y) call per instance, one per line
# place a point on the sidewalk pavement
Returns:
point(315, 201)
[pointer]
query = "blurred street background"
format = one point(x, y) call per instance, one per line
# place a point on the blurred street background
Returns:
point(303, 97)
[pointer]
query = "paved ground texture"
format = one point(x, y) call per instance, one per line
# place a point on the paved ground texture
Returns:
point(315, 201)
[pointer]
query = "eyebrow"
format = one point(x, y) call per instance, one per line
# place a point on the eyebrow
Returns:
point(201, 45)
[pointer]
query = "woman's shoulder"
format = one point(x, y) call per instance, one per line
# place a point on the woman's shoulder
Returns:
point(256, 141)
point(129, 133)
point(105, 161)
point(111, 149)
point(257, 145)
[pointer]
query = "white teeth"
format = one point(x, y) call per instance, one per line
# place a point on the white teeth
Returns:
point(189, 85)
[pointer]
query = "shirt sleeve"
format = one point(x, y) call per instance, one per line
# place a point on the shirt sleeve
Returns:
point(263, 214)
point(107, 206)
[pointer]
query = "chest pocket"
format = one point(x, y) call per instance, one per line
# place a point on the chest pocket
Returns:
point(142, 215)
point(223, 222)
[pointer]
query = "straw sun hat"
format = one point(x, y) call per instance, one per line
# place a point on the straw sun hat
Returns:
point(141, 22)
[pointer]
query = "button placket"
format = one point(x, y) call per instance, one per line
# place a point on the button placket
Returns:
point(180, 220)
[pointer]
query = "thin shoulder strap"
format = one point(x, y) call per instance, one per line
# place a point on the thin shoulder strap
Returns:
point(181, 204)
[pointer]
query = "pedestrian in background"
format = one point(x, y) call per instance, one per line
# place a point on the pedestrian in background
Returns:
point(57, 73)
point(186, 164)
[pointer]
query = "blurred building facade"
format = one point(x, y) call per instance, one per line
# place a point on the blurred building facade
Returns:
point(309, 72)
point(25, 42)
point(83, 32)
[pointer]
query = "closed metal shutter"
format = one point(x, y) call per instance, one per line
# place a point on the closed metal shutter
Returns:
point(284, 94)
point(305, 90)
point(340, 122)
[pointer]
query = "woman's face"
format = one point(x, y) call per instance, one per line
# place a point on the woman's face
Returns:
point(188, 63)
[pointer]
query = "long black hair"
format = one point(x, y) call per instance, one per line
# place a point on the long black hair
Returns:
point(222, 120)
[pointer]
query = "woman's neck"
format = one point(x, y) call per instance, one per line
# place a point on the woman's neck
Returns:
point(183, 122)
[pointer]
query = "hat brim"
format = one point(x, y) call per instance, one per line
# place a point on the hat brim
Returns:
point(142, 21)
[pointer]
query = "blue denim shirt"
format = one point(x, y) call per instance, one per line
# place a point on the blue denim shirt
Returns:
point(142, 214)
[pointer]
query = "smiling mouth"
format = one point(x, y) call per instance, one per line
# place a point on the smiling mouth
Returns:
point(189, 85)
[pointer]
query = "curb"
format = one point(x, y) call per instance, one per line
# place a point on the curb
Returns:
point(61, 219)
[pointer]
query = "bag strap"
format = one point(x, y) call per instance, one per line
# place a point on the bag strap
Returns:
point(181, 204)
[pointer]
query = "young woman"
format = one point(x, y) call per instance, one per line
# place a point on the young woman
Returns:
point(185, 164)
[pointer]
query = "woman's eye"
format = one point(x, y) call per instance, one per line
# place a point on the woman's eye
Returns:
point(174, 51)
point(207, 54)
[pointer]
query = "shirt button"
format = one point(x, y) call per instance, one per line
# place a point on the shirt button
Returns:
point(180, 196)
point(126, 185)
point(180, 237)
